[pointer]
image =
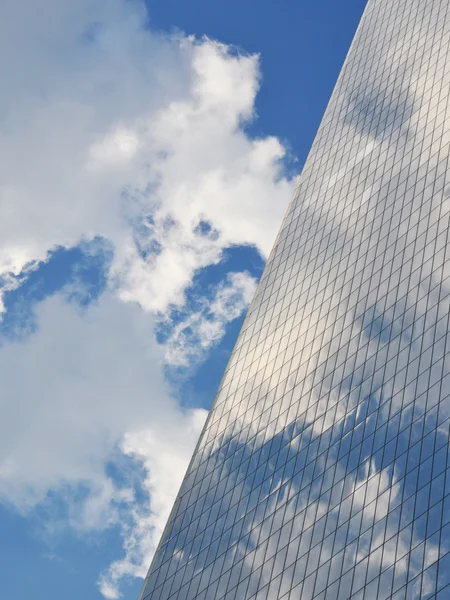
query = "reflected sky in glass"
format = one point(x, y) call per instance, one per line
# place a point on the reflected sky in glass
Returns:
point(322, 469)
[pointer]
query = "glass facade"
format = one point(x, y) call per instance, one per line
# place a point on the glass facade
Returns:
point(323, 471)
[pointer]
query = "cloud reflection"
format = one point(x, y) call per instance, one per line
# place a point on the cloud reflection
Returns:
point(322, 469)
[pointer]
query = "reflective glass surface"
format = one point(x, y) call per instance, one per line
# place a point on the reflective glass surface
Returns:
point(322, 471)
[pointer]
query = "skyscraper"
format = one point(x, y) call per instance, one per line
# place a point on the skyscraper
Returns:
point(322, 469)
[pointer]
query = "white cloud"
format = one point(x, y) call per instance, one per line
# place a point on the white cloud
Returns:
point(110, 129)
point(164, 461)
point(121, 125)
point(71, 390)
point(193, 336)
point(87, 382)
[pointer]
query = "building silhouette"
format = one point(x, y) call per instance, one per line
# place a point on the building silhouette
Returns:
point(322, 470)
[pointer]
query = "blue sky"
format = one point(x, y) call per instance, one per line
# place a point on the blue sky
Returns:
point(302, 47)
point(134, 159)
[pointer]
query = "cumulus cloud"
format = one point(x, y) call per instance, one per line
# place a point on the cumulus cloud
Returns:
point(133, 136)
point(164, 462)
point(111, 130)
point(88, 381)
point(195, 334)
point(66, 394)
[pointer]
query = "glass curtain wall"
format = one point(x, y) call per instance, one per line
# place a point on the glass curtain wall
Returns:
point(322, 471)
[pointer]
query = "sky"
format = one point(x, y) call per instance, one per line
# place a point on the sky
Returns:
point(149, 152)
